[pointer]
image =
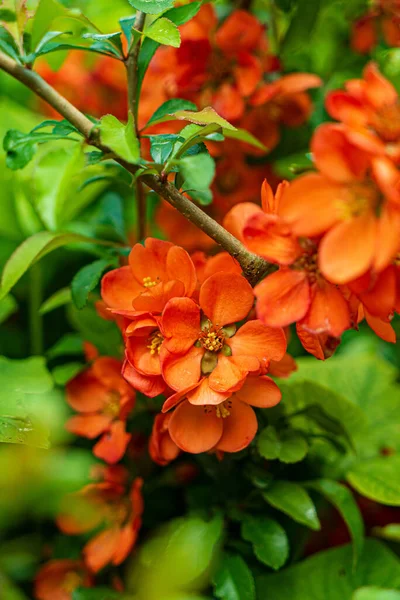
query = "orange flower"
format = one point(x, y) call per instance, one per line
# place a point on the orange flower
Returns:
point(384, 17)
point(320, 345)
point(161, 447)
point(58, 579)
point(143, 341)
point(370, 109)
point(202, 345)
point(104, 401)
point(354, 203)
point(157, 272)
point(228, 426)
point(119, 514)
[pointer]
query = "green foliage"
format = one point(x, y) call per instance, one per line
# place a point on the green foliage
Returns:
point(164, 31)
point(120, 138)
point(377, 479)
point(375, 593)
point(151, 7)
point(268, 538)
point(198, 171)
point(8, 306)
point(169, 108)
point(87, 279)
point(162, 146)
point(343, 500)
point(8, 45)
point(288, 446)
point(329, 575)
point(233, 579)
point(99, 593)
point(292, 499)
point(59, 298)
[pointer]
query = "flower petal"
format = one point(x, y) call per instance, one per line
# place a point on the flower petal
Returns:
point(112, 445)
point(146, 384)
point(149, 260)
point(180, 325)
point(382, 328)
point(180, 266)
point(259, 391)
point(231, 371)
point(258, 340)
point(204, 394)
point(155, 298)
point(99, 551)
point(119, 288)
point(86, 394)
point(347, 251)
point(235, 220)
point(195, 429)
point(88, 426)
point(139, 356)
point(282, 298)
point(226, 298)
point(181, 370)
point(328, 312)
point(240, 428)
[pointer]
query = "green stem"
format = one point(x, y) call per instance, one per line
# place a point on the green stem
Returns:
point(35, 302)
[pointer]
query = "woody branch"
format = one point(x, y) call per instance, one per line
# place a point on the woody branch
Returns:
point(253, 266)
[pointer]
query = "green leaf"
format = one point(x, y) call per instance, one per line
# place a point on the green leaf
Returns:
point(19, 151)
point(46, 12)
point(343, 500)
point(389, 532)
point(69, 344)
point(198, 171)
point(329, 575)
point(162, 146)
point(104, 335)
point(7, 15)
point(268, 538)
point(59, 298)
point(378, 479)
point(288, 446)
point(207, 116)
point(164, 32)
point(120, 138)
point(9, 590)
point(64, 373)
point(168, 108)
point(8, 306)
point(151, 7)
point(32, 250)
point(298, 33)
point(8, 44)
point(292, 499)
point(86, 280)
point(20, 422)
point(244, 136)
point(375, 593)
point(233, 579)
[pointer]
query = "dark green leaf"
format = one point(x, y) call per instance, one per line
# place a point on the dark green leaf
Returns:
point(288, 446)
point(64, 373)
point(8, 306)
point(268, 538)
point(126, 25)
point(343, 500)
point(98, 593)
point(292, 499)
point(328, 575)
point(86, 280)
point(168, 108)
point(298, 34)
point(8, 45)
point(69, 344)
point(233, 579)
point(162, 146)
point(19, 151)
point(151, 7)
point(7, 15)
point(113, 38)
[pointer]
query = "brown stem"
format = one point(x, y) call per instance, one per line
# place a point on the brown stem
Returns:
point(141, 210)
point(254, 267)
point(132, 71)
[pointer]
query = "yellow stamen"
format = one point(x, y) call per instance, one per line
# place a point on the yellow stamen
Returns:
point(212, 338)
point(155, 340)
point(223, 410)
point(148, 282)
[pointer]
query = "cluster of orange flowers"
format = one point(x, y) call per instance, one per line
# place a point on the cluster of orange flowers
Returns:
point(335, 233)
point(382, 20)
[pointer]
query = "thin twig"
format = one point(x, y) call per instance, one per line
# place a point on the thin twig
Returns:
point(254, 267)
point(132, 70)
point(141, 210)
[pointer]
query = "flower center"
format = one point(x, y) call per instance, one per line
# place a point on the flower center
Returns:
point(154, 342)
point(386, 122)
point(112, 407)
point(148, 282)
point(308, 262)
point(212, 338)
point(364, 197)
point(71, 581)
point(222, 410)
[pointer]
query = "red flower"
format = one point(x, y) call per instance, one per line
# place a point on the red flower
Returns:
point(228, 426)
point(161, 447)
point(157, 272)
point(203, 340)
point(105, 503)
point(384, 17)
point(104, 401)
point(58, 579)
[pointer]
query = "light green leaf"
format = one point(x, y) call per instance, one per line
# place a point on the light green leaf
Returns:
point(168, 108)
point(244, 136)
point(292, 499)
point(375, 593)
point(59, 298)
point(64, 373)
point(8, 306)
point(343, 500)
point(151, 7)
point(46, 12)
point(120, 138)
point(268, 538)
point(164, 32)
point(288, 446)
point(32, 250)
point(389, 532)
point(206, 116)
point(98, 593)
point(86, 280)
point(198, 171)
point(9, 590)
point(329, 575)
point(378, 479)
point(233, 579)
point(20, 422)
